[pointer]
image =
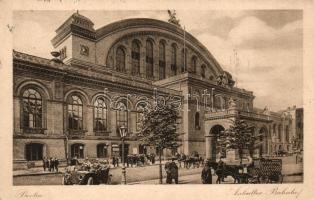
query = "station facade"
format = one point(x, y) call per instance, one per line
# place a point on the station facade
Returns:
point(73, 105)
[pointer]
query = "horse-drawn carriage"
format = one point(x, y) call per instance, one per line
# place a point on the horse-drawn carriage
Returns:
point(87, 174)
point(256, 171)
point(265, 171)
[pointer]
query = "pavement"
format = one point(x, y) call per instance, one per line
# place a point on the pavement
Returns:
point(149, 174)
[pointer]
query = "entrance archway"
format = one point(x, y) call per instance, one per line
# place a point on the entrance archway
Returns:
point(212, 148)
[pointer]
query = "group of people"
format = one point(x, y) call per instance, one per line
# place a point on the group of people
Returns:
point(51, 164)
point(134, 160)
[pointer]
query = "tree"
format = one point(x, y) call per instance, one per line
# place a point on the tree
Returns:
point(159, 129)
point(239, 136)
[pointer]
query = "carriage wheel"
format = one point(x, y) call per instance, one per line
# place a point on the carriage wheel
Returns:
point(90, 181)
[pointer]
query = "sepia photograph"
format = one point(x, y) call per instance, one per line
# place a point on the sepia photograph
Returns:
point(112, 97)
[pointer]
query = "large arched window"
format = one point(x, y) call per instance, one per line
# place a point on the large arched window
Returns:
point(194, 64)
point(173, 59)
point(120, 60)
point(102, 150)
point(140, 108)
point(135, 58)
point(77, 150)
point(203, 71)
point(75, 113)
point(184, 60)
point(100, 115)
point(122, 115)
point(197, 121)
point(162, 61)
point(149, 59)
point(34, 151)
point(32, 109)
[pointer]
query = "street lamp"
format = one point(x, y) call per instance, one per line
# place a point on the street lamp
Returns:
point(123, 133)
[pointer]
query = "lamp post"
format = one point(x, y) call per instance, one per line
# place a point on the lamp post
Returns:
point(123, 133)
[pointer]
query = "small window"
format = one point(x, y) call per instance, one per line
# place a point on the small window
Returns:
point(122, 115)
point(197, 121)
point(102, 151)
point(77, 150)
point(34, 151)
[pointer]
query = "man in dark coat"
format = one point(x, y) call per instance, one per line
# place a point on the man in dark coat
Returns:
point(207, 174)
point(44, 163)
point(56, 164)
point(172, 172)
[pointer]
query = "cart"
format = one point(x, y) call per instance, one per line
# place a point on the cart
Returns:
point(265, 171)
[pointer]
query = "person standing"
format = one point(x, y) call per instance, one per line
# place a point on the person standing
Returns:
point(206, 174)
point(44, 163)
point(114, 161)
point(56, 164)
point(174, 171)
point(52, 164)
point(168, 172)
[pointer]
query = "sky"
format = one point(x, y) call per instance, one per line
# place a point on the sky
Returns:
point(268, 44)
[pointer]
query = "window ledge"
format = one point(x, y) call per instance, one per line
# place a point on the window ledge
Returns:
point(34, 130)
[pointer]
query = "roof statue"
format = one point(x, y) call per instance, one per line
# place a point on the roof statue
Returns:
point(172, 18)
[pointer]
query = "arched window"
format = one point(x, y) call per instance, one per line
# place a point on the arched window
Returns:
point(149, 59)
point(173, 59)
point(139, 115)
point(122, 115)
point(203, 71)
point(197, 121)
point(184, 60)
point(120, 60)
point(77, 150)
point(219, 102)
point(34, 151)
point(32, 109)
point(100, 115)
point(194, 64)
point(102, 151)
point(135, 58)
point(162, 61)
point(75, 113)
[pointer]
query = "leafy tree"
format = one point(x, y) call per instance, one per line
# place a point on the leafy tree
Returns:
point(239, 136)
point(159, 129)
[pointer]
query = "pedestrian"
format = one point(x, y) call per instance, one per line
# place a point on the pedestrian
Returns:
point(172, 172)
point(117, 161)
point(44, 163)
point(168, 172)
point(207, 174)
point(153, 158)
point(114, 161)
point(52, 164)
point(47, 163)
point(56, 164)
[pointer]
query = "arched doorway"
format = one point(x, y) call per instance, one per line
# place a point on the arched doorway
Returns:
point(212, 148)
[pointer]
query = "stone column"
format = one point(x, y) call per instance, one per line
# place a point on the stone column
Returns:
point(209, 139)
